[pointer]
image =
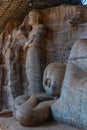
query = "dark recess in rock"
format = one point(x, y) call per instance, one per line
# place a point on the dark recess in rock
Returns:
point(51, 3)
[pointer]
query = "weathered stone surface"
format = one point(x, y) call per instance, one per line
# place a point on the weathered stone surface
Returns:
point(3, 87)
point(71, 107)
point(58, 42)
point(15, 78)
point(53, 78)
point(35, 60)
point(17, 9)
point(61, 34)
point(26, 108)
point(30, 112)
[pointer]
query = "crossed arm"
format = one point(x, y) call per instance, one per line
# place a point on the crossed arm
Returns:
point(28, 43)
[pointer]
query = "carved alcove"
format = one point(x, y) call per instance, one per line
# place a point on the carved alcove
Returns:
point(63, 29)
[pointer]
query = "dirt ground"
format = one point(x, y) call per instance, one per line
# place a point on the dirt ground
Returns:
point(12, 124)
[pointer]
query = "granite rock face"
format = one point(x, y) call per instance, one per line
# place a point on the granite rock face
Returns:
point(71, 107)
point(16, 9)
point(61, 34)
point(15, 67)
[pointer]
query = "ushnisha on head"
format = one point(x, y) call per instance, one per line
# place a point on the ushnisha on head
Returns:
point(34, 17)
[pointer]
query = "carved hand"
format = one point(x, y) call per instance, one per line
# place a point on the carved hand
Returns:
point(25, 47)
point(28, 44)
point(4, 52)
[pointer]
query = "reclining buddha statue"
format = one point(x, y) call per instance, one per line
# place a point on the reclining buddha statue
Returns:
point(71, 107)
point(35, 109)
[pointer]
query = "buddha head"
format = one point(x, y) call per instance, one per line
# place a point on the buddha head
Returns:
point(34, 17)
point(53, 78)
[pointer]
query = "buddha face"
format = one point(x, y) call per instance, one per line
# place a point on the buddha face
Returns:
point(34, 17)
point(53, 78)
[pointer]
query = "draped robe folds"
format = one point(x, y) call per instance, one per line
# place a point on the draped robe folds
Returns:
point(35, 61)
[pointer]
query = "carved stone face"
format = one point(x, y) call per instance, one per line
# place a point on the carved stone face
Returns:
point(31, 21)
point(34, 17)
point(53, 78)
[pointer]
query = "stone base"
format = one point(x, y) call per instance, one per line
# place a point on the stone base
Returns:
point(12, 124)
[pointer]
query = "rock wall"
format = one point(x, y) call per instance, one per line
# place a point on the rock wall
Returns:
point(62, 34)
point(17, 9)
point(65, 24)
